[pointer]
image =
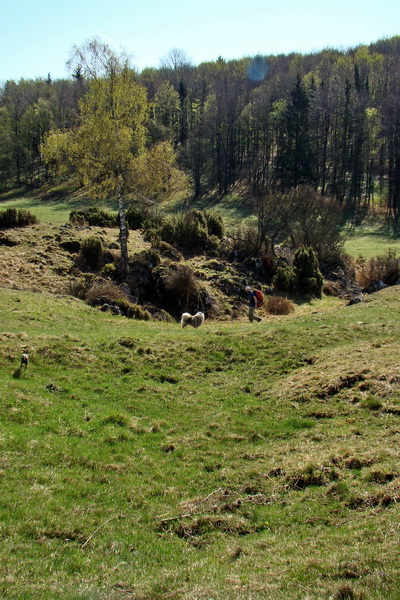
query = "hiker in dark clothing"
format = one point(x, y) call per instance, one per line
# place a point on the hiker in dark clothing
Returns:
point(253, 304)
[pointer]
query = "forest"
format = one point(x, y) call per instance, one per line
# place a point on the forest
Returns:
point(265, 124)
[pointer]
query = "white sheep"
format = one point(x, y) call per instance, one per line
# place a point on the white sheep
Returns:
point(193, 320)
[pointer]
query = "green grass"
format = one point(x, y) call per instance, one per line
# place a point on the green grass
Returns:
point(372, 238)
point(50, 204)
point(235, 461)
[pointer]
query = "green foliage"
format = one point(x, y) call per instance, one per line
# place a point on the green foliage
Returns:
point(91, 253)
point(285, 279)
point(192, 230)
point(309, 278)
point(137, 215)
point(99, 293)
point(151, 256)
point(16, 217)
point(215, 223)
point(135, 311)
point(303, 277)
point(109, 270)
point(118, 124)
point(94, 216)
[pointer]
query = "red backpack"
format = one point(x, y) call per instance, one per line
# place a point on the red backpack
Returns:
point(260, 297)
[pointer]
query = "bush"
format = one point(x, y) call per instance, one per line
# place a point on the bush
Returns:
point(329, 289)
point(138, 312)
point(285, 279)
point(309, 278)
point(276, 305)
point(192, 230)
point(245, 238)
point(215, 224)
point(91, 253)
point(100, 290)
point(385, 268)
point(79, 287)
point(139, 216)
point(93, 216)
point(151, 257)
point(184, 286)
point(109, 270)
point(15, 217)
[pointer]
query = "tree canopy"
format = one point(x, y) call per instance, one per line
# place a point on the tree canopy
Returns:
point(329, 119)
point(107, 148)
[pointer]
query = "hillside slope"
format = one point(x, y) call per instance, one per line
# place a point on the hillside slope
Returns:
point(46, 257)
point(237, 461)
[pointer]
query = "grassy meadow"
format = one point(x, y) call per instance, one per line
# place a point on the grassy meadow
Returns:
point(50, 204)
point(370, 238)
point(237, 461)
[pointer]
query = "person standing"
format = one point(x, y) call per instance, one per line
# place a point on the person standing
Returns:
point(253, 304)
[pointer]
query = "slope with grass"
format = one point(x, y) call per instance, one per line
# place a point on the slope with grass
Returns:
point(236, 461)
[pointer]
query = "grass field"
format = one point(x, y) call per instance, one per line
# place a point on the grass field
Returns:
point(372, 238)
point(51, 204)
point(237, 461)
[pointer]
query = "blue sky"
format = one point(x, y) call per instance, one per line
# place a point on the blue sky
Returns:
point(36, 37)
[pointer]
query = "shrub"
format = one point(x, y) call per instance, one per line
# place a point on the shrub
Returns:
point(329, 289)
point(94, 217)
point(215, 224)
point(139, 216)
point(285, 279)
point(109, 270)
point(91, 253)
point(245, 239)
point(151, 256)
point(276, 305)
point(15, 217)
point(384, 268)
point(138, 312)
point(193, 230)
point(309, 278)
point(182, 283)
point(79, 287)
point(101, 290)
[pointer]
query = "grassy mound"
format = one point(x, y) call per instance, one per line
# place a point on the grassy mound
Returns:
point(234, 461)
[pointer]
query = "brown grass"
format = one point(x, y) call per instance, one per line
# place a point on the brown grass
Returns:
point(276, 305)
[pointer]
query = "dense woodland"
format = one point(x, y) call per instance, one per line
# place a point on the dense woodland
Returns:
point(330, 120)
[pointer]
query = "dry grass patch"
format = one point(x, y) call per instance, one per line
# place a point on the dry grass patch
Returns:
point(277, 305)
point(35, 258)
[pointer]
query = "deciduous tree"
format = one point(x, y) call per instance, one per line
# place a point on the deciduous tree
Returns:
point(107, 148)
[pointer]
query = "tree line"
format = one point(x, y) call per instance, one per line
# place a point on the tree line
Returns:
point(329, 120)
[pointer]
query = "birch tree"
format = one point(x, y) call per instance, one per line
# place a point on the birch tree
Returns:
point(107, 148)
